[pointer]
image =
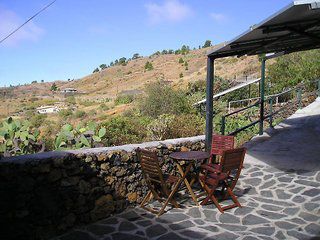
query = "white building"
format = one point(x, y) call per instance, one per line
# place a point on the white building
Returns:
point(69, 90)
point(48, 109)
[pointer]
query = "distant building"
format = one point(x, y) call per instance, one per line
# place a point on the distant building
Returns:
point(69, 90)
point(47, 109)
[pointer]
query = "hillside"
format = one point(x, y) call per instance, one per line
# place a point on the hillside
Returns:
point(105, 85)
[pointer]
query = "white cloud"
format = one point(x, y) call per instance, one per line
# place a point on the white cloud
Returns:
point(218, 17)
point(169, 11)
point(9, 21)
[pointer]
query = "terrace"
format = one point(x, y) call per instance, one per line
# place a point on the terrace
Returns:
point(279, 192)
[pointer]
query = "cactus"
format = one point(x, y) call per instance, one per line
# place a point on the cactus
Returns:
point(17, 138)
point(79, 137)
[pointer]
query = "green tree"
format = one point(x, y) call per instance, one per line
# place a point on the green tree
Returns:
point(96, 70)
point(122, 61)
point(103, 66)
point(162, 99)
point(164, 52)
point(54, 87)
point(136, 56)
point(181, 60)
point(207, 44)
point(148, 66)
point(185, 50)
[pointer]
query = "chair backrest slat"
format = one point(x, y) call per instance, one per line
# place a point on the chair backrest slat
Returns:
point(150, 165)
point(220, 143)
point(232, 159)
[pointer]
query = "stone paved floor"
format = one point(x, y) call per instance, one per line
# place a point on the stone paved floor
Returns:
point(276, 205)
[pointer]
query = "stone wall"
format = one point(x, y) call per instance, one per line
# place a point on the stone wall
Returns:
point(44, 194)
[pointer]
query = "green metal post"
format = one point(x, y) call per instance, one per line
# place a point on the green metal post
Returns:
point(209, 102)
point(223, 125)
point(263, 73)
point(299, 96)
point(270, 112)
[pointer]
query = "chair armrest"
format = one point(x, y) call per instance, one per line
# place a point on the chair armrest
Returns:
point(213, 168)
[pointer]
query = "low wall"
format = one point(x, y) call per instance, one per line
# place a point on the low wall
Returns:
point(45, 194)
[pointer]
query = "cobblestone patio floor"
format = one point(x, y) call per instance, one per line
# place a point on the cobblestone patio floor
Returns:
point(276, 205)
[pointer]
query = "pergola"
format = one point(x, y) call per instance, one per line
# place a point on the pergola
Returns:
point(294, 28)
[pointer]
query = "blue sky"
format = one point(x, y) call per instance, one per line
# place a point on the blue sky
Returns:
point(72, 37)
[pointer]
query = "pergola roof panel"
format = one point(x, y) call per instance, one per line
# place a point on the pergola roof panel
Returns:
point(294, 28)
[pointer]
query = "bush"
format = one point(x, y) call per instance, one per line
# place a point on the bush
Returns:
point(289, 70)
point(160, 128)
point(181, 60)
point(181, 75)
point(197, 86)
point(187, 125)
point(36, 120)
point(71, 100)
point(123, 99)
point(65, 113)
point(79, 114)
point(168, 126)
point(123, 130)
point(148, 66)
point(104, 107)
point(161, 98)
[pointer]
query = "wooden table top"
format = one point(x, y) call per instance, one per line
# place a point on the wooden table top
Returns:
point(189, 156)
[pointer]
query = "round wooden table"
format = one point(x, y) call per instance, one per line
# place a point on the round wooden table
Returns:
point(191, 157)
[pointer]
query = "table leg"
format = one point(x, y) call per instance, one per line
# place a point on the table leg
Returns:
point(186, 181)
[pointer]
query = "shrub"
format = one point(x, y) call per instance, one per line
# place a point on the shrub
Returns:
point(54, 87)
point(123, 99)
point(123, 130)
point(65, 113)
point(36, 120)
point(187, 125)
point(181, 60)
point(289, 70)
point(104, 107)
point(161, 98)
point(181, 75)
point(71, 100)
point(160, 128)
point(148, 66)
point(79, 114)
point(197, 86)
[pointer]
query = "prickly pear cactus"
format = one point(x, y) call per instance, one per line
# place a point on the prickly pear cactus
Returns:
point(17, 138)
point(79, 137)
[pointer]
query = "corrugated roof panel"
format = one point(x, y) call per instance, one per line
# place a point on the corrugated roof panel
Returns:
point(294, 28)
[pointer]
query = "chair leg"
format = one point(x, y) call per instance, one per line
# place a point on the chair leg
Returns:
point(173, 191)
point(146, 199)
point(234, 198)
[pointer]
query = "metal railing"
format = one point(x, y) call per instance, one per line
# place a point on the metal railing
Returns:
point(274, 98)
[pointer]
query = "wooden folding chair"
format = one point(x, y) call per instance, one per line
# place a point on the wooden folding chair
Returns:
point(223, 176)
point(220, 143)
point(158, 183)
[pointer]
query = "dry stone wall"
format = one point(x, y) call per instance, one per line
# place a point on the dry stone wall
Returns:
point(44, 194)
